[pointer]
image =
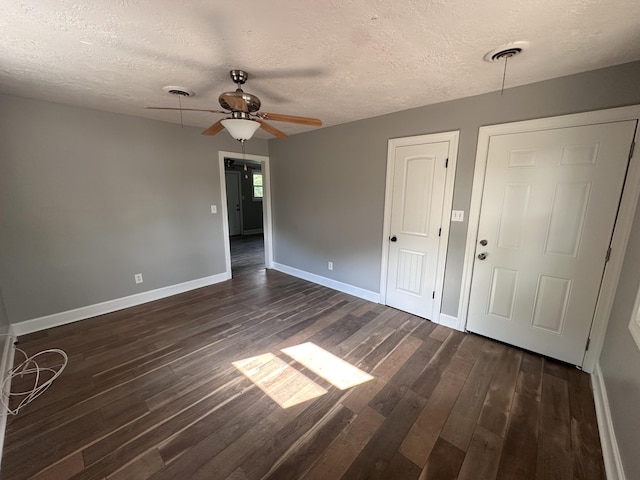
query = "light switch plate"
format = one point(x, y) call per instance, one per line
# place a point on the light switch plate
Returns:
point(457, 215)
point(214, 209)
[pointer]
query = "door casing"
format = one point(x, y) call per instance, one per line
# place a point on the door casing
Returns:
point(266, 206)
point(622, 229)
point(451, 137)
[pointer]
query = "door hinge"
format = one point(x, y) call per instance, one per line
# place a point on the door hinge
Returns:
point(433, 295)
point(440, 232)
point(588, 343)
point(608, 255)
point(446, 163)
point(633, 147)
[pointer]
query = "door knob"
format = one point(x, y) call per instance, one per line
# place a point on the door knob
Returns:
point(482, 256)
point(394, 239)
point(483, 243)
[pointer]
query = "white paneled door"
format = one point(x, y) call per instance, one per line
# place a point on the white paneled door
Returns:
point(419, 174)
point(548, 211)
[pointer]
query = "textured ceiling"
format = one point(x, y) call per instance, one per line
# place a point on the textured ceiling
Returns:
point(335, 60)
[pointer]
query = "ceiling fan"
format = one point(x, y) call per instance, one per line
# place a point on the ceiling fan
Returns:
point(244, 117)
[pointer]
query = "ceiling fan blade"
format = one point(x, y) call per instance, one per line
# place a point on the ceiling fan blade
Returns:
point(272, 130)
point(278, 117)
point(213, 129)
point(189, 109)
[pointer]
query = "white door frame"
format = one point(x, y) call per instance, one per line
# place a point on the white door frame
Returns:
point(622, 228)
point(266, 206)
point(452, 138)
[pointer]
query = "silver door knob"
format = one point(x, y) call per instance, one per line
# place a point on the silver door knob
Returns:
point(482, 256)
point(483, 243)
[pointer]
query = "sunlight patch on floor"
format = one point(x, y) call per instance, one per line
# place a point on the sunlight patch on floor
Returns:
point(287, 386)
point(333, 369)
point(284, 384)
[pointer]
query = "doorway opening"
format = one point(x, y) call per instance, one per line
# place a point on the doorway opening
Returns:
point(247, 212)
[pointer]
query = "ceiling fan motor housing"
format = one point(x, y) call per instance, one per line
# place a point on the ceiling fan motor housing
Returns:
point(239, 101)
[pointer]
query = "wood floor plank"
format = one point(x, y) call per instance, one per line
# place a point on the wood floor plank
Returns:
point(431, 375)
point(483, 456)
point(151, 392)
point(386, 348)
point(377, 454)
point(64, 469)
point(301, 456)
point(555, 368)
point(402, 468)
point(76, 434)
point(336, 459)
point(585, 441)
point(530, 377)
point(497, 406)
point(425, 431)
point(554, 452)
point(424, 330)
point(398, 357)
point(142, 467)
point(464, 415)
point(396, 387)
point(317, 413)
point(180, 442)
point(440, 333)
point(214, 455)
point(520, 448)
point(444, 462)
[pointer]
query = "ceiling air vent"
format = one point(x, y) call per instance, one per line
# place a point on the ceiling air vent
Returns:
point(506, 51)
point(183, 92)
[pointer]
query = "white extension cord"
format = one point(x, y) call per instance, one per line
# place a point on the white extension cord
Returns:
point(30, 367)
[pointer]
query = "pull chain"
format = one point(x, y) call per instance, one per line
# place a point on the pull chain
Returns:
point(180, 105)
point(504, 74)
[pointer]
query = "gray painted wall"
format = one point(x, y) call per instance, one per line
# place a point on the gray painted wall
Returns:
point(88, 199)
point(620, 359)
point(4, 320)
point(328, 185)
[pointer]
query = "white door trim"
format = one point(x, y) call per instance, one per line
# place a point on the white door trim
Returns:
point(452, 138)
point(622, 229)
point(266, 206)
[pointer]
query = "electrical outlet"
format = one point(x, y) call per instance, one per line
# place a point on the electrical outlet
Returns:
point(138, 278)
point(457, 215)
point(330, 265)
point(214, 209)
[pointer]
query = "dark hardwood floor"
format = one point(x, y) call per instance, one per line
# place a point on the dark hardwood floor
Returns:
point(247, 254)
point(151, 392)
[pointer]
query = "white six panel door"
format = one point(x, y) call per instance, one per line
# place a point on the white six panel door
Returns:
point(548, 210)
point(419, 175)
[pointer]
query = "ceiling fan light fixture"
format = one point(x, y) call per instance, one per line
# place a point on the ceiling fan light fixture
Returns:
point(240, 129)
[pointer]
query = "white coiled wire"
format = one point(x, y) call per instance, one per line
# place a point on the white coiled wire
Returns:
point(30, 367)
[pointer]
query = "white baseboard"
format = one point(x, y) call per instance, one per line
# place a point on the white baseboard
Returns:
point(449, 321)
point(610, 452)
point(69, 316)
point(327, 282)
point(6, 364)
point(254, 231)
